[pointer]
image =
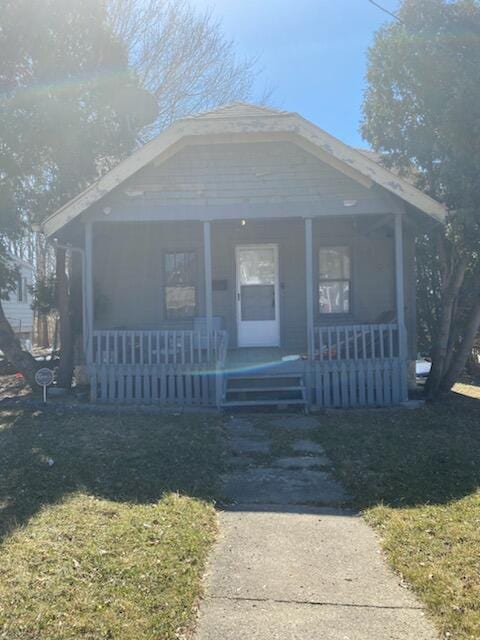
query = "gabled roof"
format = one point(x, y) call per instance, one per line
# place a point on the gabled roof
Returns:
point(245, 119)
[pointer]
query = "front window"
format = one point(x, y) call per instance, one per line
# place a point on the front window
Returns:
point(180, 290)
point(334, 280)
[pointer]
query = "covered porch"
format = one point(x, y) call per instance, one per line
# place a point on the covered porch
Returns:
point(137, 351)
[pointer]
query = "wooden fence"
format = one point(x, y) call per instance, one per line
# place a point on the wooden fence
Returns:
point(352, 383)
point(356, 342)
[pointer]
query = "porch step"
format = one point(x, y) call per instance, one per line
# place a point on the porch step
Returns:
point(264, 390)
point(261, 403)
point(261, 388)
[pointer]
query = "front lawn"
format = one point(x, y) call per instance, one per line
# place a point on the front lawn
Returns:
point(106, 523)
point(416, 475)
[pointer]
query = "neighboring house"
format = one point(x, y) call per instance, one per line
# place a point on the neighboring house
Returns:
point(245, 256)
point(18, 308)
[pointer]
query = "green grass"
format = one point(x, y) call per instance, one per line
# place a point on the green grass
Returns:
point(416, 475)
point(109, 541)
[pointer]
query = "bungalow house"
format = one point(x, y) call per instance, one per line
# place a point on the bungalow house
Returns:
point(244, 256)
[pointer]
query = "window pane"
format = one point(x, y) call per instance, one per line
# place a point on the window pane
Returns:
point(180, 268)
point(180, 302)
point(334, 263)
point(334, 297)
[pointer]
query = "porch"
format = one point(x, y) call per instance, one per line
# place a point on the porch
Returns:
point(262, 322)
point(352, 365)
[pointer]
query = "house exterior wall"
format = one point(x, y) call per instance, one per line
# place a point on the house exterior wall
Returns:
point(19, 312)
point(242, 180)
point(269, 184)
point(129, 273)
point(129, 280)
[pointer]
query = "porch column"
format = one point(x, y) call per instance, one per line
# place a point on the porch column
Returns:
point(88, 292)
point(207, 249)
point(309, 286)
point(400, 302)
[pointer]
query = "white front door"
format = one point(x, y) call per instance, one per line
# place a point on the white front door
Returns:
point(258, 318)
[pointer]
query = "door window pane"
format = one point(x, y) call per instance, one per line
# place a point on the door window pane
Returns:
point(257, 266)
point(257, 302)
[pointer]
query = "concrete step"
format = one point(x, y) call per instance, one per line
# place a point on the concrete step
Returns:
point(262, 389)
point(262, 403)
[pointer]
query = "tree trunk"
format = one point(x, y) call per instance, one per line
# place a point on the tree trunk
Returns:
point(459, 359)
point(440, 350)
point(23, 361)
point(41, 274)
point(65, 369)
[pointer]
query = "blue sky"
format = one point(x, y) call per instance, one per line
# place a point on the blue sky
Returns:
point(312, 52)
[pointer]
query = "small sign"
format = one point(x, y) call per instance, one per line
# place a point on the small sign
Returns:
point(44, 378)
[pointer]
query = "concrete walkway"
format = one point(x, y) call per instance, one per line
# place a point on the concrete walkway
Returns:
point(290, 563)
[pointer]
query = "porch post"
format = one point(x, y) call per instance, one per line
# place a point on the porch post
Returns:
point(207, 249)
point(88, 301)
point(400, 303)
point(309, 285)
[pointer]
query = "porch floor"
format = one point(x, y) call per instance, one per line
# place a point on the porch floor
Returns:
point(258, 359)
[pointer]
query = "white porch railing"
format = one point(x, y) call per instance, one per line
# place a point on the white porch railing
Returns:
point(156, 347)
point(356, 342)
point(166, 367)
point(357, 365)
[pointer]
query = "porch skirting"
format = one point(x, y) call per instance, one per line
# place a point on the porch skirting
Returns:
point(329, 383)
point(154, 384)
point(356, 383)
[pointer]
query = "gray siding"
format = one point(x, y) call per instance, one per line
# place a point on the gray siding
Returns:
point(242, 180)
point(129, 278)
point(129, 272)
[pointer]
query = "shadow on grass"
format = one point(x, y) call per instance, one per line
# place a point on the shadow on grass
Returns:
point(405, 457)
point(130, 458)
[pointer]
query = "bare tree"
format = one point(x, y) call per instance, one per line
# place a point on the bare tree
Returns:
point(182, 57)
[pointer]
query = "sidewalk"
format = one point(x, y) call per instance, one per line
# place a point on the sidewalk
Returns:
point(283, 570)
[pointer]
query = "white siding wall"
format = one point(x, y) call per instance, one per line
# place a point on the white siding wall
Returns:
point(19, 313)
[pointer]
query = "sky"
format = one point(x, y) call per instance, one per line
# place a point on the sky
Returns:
point(311, 52)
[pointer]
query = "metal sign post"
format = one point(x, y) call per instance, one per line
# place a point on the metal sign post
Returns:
point(44, 378)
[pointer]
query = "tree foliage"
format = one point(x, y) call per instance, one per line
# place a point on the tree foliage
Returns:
point(422, 112)
point(65, 114)
point(81, 83)
point(181, 57)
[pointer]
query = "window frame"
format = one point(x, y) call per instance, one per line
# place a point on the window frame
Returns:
point(168, 314)
point(335, 314)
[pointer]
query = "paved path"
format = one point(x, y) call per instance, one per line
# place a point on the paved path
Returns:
point(290, 564)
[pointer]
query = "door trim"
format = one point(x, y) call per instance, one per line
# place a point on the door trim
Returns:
point(247, 343)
